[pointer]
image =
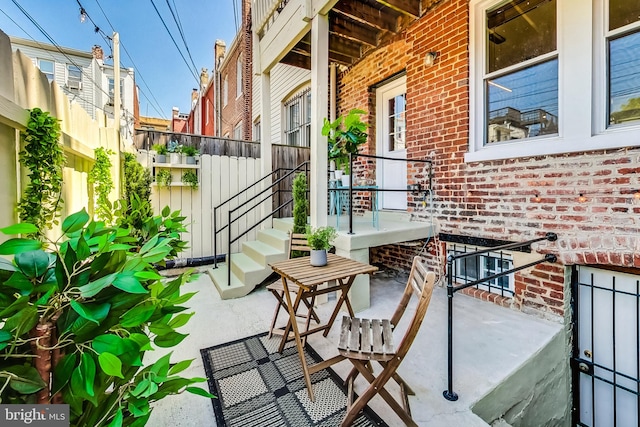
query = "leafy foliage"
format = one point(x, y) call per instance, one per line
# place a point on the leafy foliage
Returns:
point(190, 177)
point(321, 237)
point(300, 207)
point(163, 178)
point(137, 179)
point(160, 149)
point(44, 157)
point(100, 178)
point(189, 150)
point(344, 135)
point(102, 305)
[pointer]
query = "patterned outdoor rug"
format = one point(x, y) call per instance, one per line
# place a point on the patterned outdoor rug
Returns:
point(257, 386)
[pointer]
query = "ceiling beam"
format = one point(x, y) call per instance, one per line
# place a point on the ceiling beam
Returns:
point(305, 49)
point(406, 7)
point(364, 13)
point(353, 31)
point(297, 60)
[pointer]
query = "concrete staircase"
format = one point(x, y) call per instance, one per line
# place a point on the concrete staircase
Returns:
point(251, 266)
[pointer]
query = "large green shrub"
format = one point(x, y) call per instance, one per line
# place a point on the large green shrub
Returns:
point(100, 178)
point(300, 206)
point(83, 313)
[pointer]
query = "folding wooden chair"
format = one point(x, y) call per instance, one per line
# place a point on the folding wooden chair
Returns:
point(297, 242)
point(363, 340)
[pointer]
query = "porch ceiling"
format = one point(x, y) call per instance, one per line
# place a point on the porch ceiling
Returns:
point(358, 26)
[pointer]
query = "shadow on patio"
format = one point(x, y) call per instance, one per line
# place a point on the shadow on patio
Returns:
point(501, 357)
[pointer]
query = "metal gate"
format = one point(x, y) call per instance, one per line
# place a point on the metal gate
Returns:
point(606, 348)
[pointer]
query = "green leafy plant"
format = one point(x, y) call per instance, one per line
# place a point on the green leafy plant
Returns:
point(44, 157)
point(344, 136)
point(160, 149)
point(190, 151)
point(174, 147)
point(100, 178)
point(78, 318)
point(134, 209)
point(190, 177)
point(300, 207)
point(163, 178)
point(321, 237)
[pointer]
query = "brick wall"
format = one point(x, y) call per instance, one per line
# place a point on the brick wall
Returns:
point(235, 110)
point(515, 199)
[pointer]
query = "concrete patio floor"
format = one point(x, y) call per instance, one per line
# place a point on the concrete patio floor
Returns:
point(490, 343)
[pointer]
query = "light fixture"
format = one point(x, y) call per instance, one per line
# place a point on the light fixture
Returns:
point(83, 15)
point(636, 195)
point(430, 58)
point(582, 198)
point(537, 198)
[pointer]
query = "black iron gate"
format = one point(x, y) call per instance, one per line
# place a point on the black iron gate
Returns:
point(606, 348)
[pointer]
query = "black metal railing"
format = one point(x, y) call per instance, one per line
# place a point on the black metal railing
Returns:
point(243, 209)
point(452, 262)
point(414, 188)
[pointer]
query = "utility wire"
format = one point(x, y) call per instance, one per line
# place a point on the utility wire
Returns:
point(235, 14)
point(182, 35)
point(174, 42)
point(157, 106)
point(176, 9)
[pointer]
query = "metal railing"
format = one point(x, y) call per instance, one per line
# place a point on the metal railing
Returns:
point(242, 210)
point(449, 394)
point(414, 188)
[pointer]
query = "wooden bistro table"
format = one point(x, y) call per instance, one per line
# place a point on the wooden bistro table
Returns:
point(342, 271)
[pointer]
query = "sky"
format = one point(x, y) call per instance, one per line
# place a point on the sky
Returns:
point(164, 78)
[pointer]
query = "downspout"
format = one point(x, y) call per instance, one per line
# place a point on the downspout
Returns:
point(332, 92)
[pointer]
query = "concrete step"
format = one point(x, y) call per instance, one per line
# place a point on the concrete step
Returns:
point(220, 280)
point(283, 224)
point(248, 270)
point(276, 238)
point(262, 253)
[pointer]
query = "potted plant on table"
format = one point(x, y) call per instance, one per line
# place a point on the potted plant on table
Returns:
point(344, 137)
point(161, 153)
point(320, 241)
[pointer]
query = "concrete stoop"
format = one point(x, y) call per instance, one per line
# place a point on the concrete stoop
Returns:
point(251, 266)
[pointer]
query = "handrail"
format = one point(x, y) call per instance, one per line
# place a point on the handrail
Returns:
point(377, 190)
point(449, 394)
point(247, 207)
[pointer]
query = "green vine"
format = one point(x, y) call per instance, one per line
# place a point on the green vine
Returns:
point(190, 177)
point(100, 178)
point(42, 201)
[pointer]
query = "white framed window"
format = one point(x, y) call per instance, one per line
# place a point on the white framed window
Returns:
point(256, 129)
point(74, 77)
point(239, 77)
point(552, 76)
point(225, 91)
point(112, 90)
point(48, 68)
point(297, 112)
point(478, 267)
point(237, 131)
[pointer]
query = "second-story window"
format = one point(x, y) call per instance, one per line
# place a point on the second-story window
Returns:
point(74, 77)
point(237, 131)
point(298, 119)
point(48, 68)
point(112, 90)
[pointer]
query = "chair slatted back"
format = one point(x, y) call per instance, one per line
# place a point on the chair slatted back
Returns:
point(298, 242)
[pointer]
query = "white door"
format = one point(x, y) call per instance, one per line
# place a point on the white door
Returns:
point(391, 124)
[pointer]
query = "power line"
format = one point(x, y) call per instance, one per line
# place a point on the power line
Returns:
point(157, 106)
point(174, 42)
point(182, 36)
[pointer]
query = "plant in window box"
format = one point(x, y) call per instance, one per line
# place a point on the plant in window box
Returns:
point(190, 153)
point(161, 153)
point(344, 137)
point(190, 177)
point(163, 178)
point(174, 148)
point(320, 241)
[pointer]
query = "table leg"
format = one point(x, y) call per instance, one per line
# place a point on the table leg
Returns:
point(344, 298)
point(296, 334)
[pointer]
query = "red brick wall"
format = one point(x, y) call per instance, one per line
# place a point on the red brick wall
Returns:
point(497, 199)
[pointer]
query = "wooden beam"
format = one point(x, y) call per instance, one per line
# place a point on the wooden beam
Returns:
point(338, 46)
point(366, 14)
point(353, 31)
point(305, 49)
point(297, 60)
point(406, 7)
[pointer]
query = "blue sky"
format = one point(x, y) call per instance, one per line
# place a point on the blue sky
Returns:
point(142, 33)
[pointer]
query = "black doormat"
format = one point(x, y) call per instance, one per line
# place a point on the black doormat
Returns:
point(257, 386)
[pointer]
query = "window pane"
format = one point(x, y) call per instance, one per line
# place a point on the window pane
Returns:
point(624, 79)
point(520, 30)
point(623, 12)
point(397, 125)
point(523, 104)
point(47, 68)
point(74, 73)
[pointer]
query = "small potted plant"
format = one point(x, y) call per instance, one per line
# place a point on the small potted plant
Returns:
point(163, 178)
point(190, 153)
point(320, 241)
point(344, 137)
point(161, 153)
point(174, 148)
point(190, 177)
